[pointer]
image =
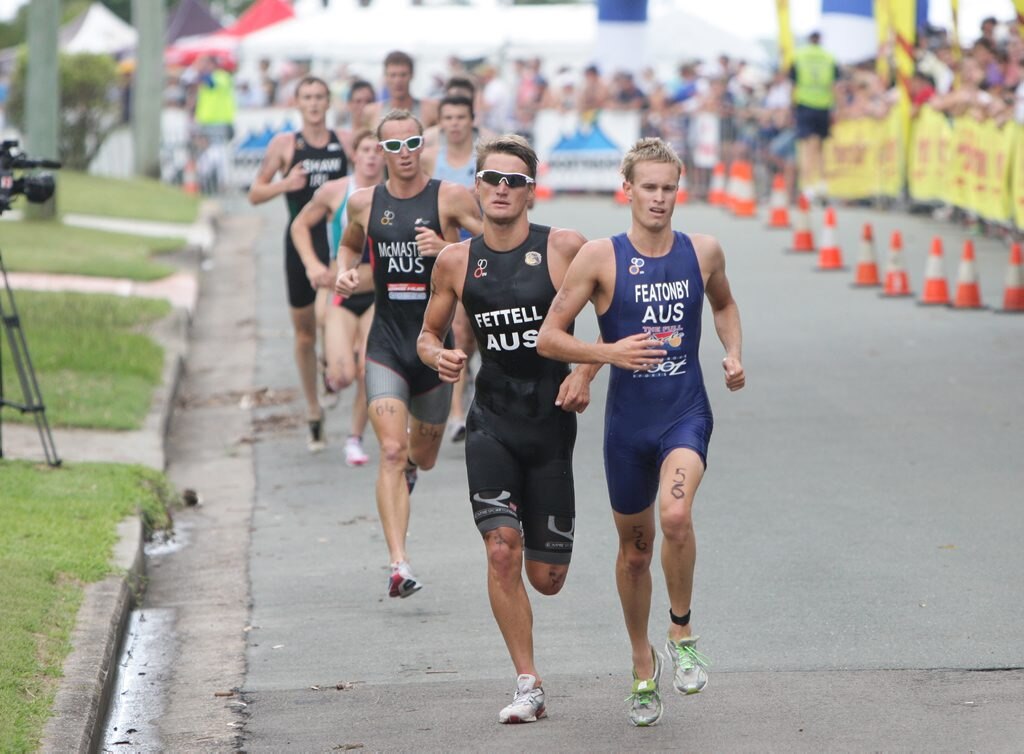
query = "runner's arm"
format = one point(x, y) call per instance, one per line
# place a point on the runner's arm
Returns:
point(437, 319)
point(724, 309)
point(264, 187)
point(350, 250)
point(582, 283)
point(314, 212)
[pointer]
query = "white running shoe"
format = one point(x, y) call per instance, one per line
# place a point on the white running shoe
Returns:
point(456, 430)
point(401, 582)
point(354, 453)
point(689, 665)
point(645, 706)
point(527, 703)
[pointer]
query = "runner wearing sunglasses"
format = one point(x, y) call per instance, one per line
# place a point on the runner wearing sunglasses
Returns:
point(305, 160)
point(647, 286)
point(522, 423)
point(403, 223)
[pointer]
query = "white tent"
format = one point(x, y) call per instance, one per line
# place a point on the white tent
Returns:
point(98, 31)
point(560, 34)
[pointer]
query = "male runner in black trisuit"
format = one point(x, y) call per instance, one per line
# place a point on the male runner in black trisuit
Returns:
point(405, 222)
point(306, 160)
point(522, 425)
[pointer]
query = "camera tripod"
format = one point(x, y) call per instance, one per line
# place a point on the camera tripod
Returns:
point(33, 399)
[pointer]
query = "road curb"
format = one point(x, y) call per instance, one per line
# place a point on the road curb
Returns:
point(172, 334)
point(79, 712)
point(83, 696)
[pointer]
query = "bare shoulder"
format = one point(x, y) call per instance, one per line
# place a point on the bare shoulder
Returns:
point(281, 144)
point(597, 251)
point(453, 258)
point(332, 192)
point(450, 189)
point(709, 250)
point(566, 242)
point(359, 202)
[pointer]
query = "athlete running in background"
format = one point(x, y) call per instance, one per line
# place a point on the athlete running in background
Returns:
point(347, 320)
point(453, 158)
point(404, 222)
point(304, 160)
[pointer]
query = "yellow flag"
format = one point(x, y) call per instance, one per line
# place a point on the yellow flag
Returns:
point(883, 25)
point(786, 44)
point(955, 36)
point(903, 17)
point(1018, 4)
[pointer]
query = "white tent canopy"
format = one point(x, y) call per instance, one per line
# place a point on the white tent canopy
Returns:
point(98, 31)
point(560, 34)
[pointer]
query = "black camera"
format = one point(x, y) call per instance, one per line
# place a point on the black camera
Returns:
point(37, 188)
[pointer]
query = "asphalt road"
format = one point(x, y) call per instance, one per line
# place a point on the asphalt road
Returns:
point(859, 528)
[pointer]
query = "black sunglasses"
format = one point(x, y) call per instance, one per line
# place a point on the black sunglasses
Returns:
point(395, 145)
point(512, 180)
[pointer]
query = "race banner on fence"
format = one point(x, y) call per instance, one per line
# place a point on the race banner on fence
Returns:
point(979, 169)
point(864, 158)
point(929, 155)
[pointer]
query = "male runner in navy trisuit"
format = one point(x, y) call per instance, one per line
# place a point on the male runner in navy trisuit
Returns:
point(648, 286)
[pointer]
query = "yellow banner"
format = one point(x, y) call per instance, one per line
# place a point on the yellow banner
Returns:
point(979, 178)
point(787, 47)
point(928, 156)
point(864, 158)
point(1017, 176)
point(1019, 5)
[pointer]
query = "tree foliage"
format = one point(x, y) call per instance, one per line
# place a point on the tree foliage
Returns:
point(87, 109)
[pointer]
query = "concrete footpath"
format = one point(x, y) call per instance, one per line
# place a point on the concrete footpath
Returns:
point(89, 671)
point(857, 581)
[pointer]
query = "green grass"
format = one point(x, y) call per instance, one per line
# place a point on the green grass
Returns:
point(95, 365)
point(57, 532)
point(49, 246)
point(136, 198)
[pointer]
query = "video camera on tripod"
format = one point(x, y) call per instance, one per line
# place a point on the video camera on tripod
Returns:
point(37, 188)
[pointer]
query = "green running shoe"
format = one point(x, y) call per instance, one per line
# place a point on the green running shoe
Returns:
point(689, 665)
point(645, 701)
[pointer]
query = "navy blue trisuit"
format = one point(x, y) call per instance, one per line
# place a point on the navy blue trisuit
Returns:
point(650, 413)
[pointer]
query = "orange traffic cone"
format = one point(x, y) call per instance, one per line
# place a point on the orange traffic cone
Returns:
point(683, 192)
point(968, 294)
point(541, 190)
point(742, 199)
point(189, 181)
point(803, 240)
point(830, 257)
point(897, 283)
point(1013, 296)
point(936, 290)
point(716, 192)
point(867, 266)
point(779, 217)
point(620, 196)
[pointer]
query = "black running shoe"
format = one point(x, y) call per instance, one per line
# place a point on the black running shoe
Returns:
point(317, 441)
point(411, 475)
